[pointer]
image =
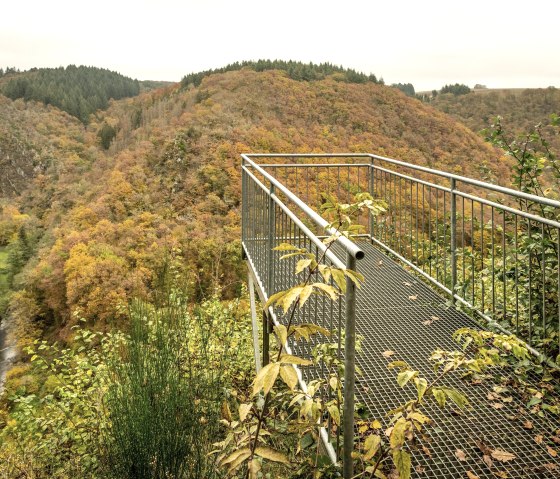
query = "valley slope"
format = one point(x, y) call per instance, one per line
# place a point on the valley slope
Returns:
point(100, 223)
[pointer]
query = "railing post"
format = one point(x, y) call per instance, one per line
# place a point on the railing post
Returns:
point(271, 243)
point(349, 371)
point(243, 201)
point(266, 339)
point(453, 239)
point(371, 218)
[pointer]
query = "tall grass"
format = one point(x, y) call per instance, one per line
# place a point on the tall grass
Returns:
point(168, 379)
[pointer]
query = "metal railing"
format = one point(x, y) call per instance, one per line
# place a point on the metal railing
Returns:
point(493, 251)
point(268, 219)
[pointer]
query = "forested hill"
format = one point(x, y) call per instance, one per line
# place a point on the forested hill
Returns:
point(79, 91)
point(98, 223)
point(521, 109)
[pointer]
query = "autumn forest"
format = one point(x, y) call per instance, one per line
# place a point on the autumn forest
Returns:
point(120, 210)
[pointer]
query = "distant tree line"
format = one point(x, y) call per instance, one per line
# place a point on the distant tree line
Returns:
point(406, 88)
point(8, 71)
point(296, 71)
point(457, 89)
point(79, 91)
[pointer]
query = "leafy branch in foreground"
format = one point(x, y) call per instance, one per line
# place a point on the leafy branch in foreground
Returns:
point(248, 443)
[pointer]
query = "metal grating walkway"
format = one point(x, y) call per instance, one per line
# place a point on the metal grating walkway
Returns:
point(388, 320)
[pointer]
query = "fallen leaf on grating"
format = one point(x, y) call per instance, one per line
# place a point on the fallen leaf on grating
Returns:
point(539, 438)
point(552, 451)
point(388, 354)
point(528, 425)
point(502, 456)
point(460, 454)
point(472, 475)
point(406, 283)
point(414, 297)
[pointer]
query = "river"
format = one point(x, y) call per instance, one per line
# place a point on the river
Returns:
point(7, 354)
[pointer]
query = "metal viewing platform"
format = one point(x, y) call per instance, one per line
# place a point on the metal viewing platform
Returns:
point(450, 252)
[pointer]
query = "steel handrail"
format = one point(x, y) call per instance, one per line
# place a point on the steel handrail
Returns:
point(347, 244)
point(482, 184)
point(312, 237)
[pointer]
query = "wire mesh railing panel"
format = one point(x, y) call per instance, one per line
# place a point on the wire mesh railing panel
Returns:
point(497, 254)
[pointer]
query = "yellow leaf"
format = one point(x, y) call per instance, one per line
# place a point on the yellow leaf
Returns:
point(272, 455)
point(371, 446)
point(226, 413)
point(254, 468)
point(290, 296)
point(266, 377)
point(290, 359)
point(275, 298)
point(339, 279)
point(327, 289)
point(402, 462)
point(421, 386)
point(289, 375)
point(234, 455)
point(397, 434)
point(282, 333)
point(405, 376)
point(302, 264)
point(335, 413)
point(244, 410)
point(304, 295)
point(286, 247)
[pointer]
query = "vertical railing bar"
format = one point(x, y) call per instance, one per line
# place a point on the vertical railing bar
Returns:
point(430, 228)
point(437, 235)
point(463, 255)
point(445, 249)
point(482, 255)
point(543, 279)
point(472, 253)
point(504, 260)
point(423, 227)
point(453, 240)
point(558, 281)
point(410, 223)
point(492, 232)
point(530, 284)
point(516, 278)
point(349, 371)
point(417, 215)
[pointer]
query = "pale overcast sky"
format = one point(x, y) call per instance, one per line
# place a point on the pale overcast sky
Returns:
point(428, 43)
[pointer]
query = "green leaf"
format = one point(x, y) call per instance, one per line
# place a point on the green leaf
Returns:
point(327, 289)
point(421, 386)
point(439, 396)
point(402, 462)
point(272, 455)
point(371, 446)
point(289, 375)
point(290, 359)
point(335, 413)
point(405, 376)
point(302, 264)
point(459, 399)
point(397, 437)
